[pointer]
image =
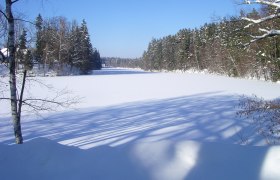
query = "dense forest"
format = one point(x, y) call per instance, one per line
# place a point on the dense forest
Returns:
point(61, 43)
point(223, 47)
point(55, 45)
point(122, 62)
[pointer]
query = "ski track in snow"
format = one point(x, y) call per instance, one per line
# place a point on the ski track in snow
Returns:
point(155, 125)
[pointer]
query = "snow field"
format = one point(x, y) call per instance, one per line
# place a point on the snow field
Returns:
point(137, 125)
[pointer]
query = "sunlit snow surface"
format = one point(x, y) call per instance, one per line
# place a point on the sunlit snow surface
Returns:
point(140, 125)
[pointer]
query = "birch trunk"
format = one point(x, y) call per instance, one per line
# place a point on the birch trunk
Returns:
point(12, 68)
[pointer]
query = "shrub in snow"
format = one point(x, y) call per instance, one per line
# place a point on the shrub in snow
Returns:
point(265, 115)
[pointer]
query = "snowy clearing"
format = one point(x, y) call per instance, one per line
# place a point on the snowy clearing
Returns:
point(139, 125)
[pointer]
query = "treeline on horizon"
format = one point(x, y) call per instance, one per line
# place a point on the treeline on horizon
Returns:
point(57, 45)
point(216, 47)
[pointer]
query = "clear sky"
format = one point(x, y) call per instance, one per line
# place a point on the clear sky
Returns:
point(123, 28)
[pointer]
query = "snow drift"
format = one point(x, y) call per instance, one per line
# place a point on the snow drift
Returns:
point(162, 160)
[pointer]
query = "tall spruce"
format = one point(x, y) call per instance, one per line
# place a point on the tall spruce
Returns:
point(86, 49)
point(23, 54)
point(21, 49)
point(40, 43)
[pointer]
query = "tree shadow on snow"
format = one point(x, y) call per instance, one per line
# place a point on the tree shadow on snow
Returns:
point(208, 117)
point(202, 117)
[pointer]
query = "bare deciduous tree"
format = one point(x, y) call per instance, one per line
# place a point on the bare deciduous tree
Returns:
point(11, 59)
point(16, 98)
point(265, 115)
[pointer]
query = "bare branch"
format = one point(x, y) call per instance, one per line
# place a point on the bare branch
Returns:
point(37, 108)
point(5, 99)
point(14, 1)
point(17, 19)
point(46, 104)
point(39, 82)
point(4, 14)
point(50, 105)
point(45, 100)
point(21, 92)
point(264, 115)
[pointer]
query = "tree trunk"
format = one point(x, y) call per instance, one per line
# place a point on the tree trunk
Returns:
point(234, 64)
point(195, 52)
point(12, 68)
point(21, 93)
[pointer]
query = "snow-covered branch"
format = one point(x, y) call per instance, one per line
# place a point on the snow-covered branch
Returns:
point(3, 57)
point(268, 33)
point(258, 21)
point(274, 3)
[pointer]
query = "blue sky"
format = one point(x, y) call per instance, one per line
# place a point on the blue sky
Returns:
point(123, 28)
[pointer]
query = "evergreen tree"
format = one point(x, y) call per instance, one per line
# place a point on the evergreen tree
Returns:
point(86, 49)
point(22, 40)
point(28, 60)
point(74, 43)
point(96, 63)
point(40, 43)
point(183, 49)
point(23, 55)
point(21, 49)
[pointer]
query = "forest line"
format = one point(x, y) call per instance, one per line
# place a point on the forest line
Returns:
point(225, 47)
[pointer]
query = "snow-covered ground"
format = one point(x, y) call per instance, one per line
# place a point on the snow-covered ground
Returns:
point(139, 125)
